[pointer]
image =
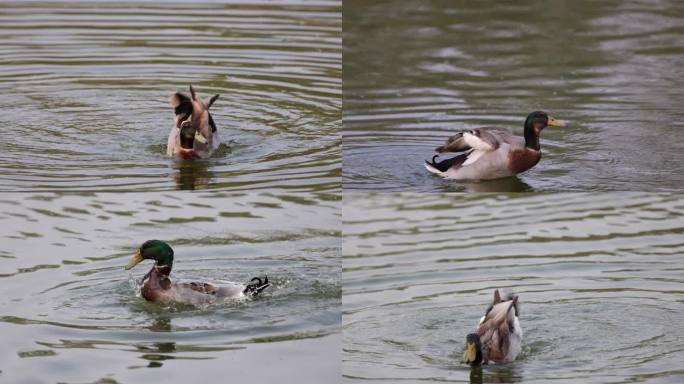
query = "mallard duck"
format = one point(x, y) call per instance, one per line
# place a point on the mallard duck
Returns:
point(491, 152)
point(157, 286)
point(498, 337)
point(194, 132)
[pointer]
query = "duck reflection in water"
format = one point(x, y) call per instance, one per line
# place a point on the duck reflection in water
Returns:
point(507, 184)
point(155, 353)
point(155, 358)
point(476, 375)
point(508, 374)
point(161, 324)
point(192, 174)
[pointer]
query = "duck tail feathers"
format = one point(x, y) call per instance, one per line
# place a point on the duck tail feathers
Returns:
point(440, 167)
point(431, 166)
point(516, 304)
point(256, 285)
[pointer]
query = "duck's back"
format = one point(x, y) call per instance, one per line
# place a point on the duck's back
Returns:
point(500, 334)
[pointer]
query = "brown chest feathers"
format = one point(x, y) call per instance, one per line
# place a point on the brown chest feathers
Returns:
point(521, 160)
point(156, 282)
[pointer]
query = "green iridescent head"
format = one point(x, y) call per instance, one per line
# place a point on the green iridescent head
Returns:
point(535, 122)
point(156, 250)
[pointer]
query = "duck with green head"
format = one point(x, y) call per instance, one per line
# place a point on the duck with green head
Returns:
point(491, 152)
point(498, 337)
point(157, 285)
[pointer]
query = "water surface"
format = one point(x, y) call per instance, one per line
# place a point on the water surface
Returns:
point(599, 278)
point(417, 72)
point(69, 312)
point(84, 90)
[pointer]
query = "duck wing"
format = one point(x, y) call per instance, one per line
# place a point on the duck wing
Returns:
point(481, 139)
point(253, 288)
point(495, 330)
point(474, 144)
point(182, 107)
point(209, 289)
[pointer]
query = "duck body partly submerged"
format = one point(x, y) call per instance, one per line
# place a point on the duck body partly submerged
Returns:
point(158, 287)
point(491, 152)
point(194, 134)
point(498, 336)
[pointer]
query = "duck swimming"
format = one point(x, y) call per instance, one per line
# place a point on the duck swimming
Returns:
point(498, 337)
point(491, 152)
point(157, 285)
point(194, 134)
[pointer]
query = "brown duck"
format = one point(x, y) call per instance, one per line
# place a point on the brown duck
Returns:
point(194, 133)
point(157, 285)
point(498, 337)
point(491, 152)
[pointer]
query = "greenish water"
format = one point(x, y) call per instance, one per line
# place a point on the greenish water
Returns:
point(84, 90)
point(416, 72)
point(69, 312)
point(599, 277)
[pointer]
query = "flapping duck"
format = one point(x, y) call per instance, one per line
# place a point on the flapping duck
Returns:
point(157, 285)
point(492, 152)
point(194, 133)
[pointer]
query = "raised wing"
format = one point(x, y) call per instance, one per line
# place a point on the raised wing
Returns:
point(182, 105)
point(495, 330)
point(483, 139)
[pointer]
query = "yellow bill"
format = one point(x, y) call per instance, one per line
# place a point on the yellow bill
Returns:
point(135, 260)
point(470, 353)
point(200, 138)
point(555, 123)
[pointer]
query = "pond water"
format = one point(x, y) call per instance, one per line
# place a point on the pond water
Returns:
point(69, 312)
point(84, 90)
point(417, 72)
point(599, 277)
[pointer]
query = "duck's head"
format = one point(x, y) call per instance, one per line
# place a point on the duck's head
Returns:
point(473, 351)
point(156, 250)
point(534, 124)
point(193, 110)
point(189, 134)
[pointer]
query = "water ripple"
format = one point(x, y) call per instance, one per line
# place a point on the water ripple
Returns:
point(65, 297)
point(415, 74)
point(599, 277)
point(85, 90)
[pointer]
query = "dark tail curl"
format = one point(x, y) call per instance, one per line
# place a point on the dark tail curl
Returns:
point(445, 164)
point(256, 285)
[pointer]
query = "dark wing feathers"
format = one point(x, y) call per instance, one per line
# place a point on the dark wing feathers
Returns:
point(445, 164)
point(211, 123)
